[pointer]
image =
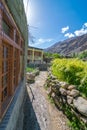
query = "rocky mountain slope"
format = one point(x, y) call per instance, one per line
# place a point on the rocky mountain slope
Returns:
point(69, 46)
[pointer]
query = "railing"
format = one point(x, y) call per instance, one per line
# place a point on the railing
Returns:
point(34, 58)
point(37, 58)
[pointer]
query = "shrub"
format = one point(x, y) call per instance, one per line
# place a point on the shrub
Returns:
point(73, 71)
point(83, 55)
point(29, 69)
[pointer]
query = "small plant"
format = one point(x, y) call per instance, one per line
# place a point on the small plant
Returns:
point(50, 99)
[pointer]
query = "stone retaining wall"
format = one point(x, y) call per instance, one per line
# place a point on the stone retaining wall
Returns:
point(65, 95)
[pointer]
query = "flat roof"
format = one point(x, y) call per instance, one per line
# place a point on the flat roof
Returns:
point(35, 48)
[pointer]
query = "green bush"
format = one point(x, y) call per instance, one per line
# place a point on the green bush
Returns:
point(28, 69)
point(73, 71)
point(83, 55)
point(52, 55)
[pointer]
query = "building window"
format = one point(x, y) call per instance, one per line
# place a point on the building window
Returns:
point(5, 52)
point(5, 60)
point(6, 27)
point(17, 38)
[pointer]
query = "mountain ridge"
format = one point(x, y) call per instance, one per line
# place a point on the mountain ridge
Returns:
point(69, 46)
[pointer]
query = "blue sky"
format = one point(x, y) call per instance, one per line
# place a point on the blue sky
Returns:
point(51, 21)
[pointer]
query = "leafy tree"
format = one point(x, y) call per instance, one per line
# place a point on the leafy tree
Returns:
point(55, 55)
point(83, 54)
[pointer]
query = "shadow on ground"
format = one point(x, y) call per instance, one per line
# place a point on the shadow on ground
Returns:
point(30, 119)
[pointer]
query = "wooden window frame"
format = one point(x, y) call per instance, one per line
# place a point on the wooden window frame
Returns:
point(13, 72)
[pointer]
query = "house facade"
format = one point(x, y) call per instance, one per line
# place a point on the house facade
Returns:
point(13, 44)
point(35, 55)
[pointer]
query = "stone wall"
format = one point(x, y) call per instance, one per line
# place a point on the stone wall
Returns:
point(13, 119)
point(67, 97)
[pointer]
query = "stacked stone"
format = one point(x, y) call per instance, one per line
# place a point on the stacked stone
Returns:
point(64, 93)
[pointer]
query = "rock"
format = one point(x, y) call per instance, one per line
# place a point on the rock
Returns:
point(64, 85)
point(30, 81)
point(63, 91)
point(68, 92)
point(74, 93)
point(30, 77)
point(53, 95)
point(53, 77)
point(63, 99)
point(55, 81)
point(52, 84)
point(81, 105)
point(69, 99)
point(57, 86)
point(49, 91)
point(70, 87)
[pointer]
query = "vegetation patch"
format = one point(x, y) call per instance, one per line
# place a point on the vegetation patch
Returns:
point(73, 71)
point(29, 69)
point(74, 121)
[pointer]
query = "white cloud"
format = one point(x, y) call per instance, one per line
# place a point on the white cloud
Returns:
point(69, 35)
point(81, 31)
point(63, 30)
point(42, 41)
point(85, 24)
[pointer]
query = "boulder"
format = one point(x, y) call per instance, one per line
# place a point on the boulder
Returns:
point(63, 91)
point(30, 77)
point(64, 85)
point(74, 93)
point(69, 100)
point(70, 87)
point(68, 92)
point(81, 105)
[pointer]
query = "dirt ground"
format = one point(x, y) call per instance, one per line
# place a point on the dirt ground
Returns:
point(39, 113)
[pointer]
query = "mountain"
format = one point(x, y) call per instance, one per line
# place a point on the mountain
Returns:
point(69, 46)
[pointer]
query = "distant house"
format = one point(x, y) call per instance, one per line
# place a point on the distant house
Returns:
point(13, 44)
point(35, 55)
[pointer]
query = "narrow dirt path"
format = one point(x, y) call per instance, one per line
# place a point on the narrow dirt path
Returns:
point(40, 114)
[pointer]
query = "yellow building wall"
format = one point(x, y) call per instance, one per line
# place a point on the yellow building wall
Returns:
point(34, 55)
